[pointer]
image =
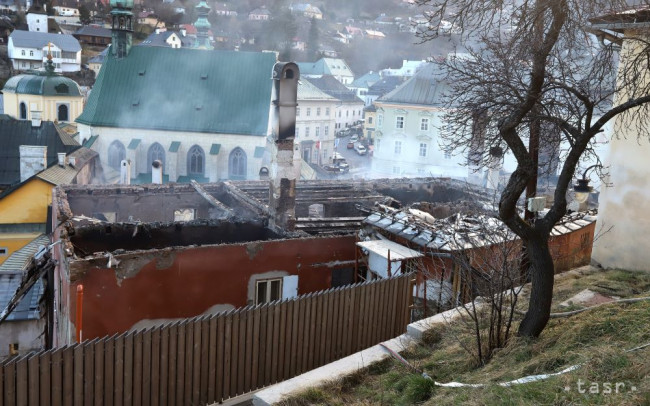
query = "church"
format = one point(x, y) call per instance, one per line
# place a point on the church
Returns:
point(204, 114)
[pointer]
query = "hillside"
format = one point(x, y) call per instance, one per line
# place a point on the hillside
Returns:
point(598, 340)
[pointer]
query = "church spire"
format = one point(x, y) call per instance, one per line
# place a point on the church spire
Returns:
point(122, 28)
point(202, 26)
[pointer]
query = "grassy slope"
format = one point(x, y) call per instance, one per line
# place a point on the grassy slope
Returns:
point(597, 338)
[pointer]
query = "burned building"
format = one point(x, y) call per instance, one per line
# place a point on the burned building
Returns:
point(151, 253)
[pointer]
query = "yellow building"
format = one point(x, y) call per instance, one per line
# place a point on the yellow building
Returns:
point(24, 206)
point(42, 95)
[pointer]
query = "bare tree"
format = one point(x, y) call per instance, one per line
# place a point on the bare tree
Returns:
point(533, 64)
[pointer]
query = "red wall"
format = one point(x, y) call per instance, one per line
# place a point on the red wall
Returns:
point(199, 278)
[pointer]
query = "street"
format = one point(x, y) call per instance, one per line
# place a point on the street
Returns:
point(359, 164)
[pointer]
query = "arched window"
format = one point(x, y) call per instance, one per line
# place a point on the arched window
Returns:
point(116, 153)
point(23, 111)
point(156, 152)
point(195, 161)
point(62, 112)
point(237, 164)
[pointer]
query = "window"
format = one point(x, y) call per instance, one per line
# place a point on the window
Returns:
point(116, 154)
point(339, 113)
point(423, 149)
point(326, 131)
point(306, 131)
point(31, 53)
point(23, 111)
point(184, 215)
point(347, 113)
point(22, 52)
point(396, 170)
point(318, 111)
point(156, 153)
point(62, 112)
point(370, 120)
point(4, 251)
point(297, 111)
point(399, 122)
point(317, 132)
point(380, 120)
point(195, 161)
point(268, 290)
point(237, 164)
point(308, 111)
point(398, 147)
point(424, 124)
point(327, 111)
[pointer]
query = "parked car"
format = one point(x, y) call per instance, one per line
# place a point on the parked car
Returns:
point(350, 145)
point(361, 150)
point(354, 138)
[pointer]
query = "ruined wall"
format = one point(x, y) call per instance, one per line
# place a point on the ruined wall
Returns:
point(185, 282)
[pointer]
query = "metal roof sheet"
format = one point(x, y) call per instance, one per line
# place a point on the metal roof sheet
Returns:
point(20, 258)
point(28, 308)
point(383, 248)
point(34, 39)
point(425, 88)
point(169, 83)
point(58, 175)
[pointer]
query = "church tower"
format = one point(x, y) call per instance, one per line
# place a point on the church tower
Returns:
point(202, 26)
point(122, 28)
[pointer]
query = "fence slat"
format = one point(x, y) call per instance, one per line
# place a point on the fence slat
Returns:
point(221, 363)
point(212, 360)
point(57, 377)
point(22, 395)
point(137, 369)
point(196, 362)
point(288, 337)
point(34, 386)
point(276, 343)
point(268, 356)
point(234, 352)
point(154, 374)
point(189, 362)
point(146, 367)
point(45, 389)
point(10, 384)
point(98, 378)
point(255, 352)
point(128, 369)
point(78, 377)
point(180, 365)
point(87, 354)
point(329, 326)
point(2, 385)
point(109, 370)
point(68, 375)
point(204, 356)
point(241, 351)
point(168, 366)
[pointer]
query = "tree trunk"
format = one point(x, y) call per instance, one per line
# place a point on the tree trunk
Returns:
point(541, 294)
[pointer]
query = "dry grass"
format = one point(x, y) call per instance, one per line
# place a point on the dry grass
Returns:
point(597, 339)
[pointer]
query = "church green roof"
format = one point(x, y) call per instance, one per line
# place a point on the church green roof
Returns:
point(42, 83)
point(186, 90)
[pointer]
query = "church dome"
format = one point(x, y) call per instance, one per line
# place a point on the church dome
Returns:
point(42, 83)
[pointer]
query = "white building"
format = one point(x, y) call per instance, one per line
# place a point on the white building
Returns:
point(36, 19)
point(28, 50)
point(334, 67)
point(349, 108)
point(407, 131)
point(408, 69)
point(315, 123)
point(66, 11)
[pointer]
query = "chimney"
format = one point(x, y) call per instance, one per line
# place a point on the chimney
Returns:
point(36, 118)
point(156, 172)
point(33, 159)
point(125, 172)
point(282, 191)
point(157, 30)
point(61, 157)
point(72, 160)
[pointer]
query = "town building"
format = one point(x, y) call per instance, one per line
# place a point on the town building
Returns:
point(336, 68)
point(42, 95)
point(407, 70)
point(259, 14)
point(349, 109)
point(224, 9)
point(66, 11)
point(407, 131)
point(203, 115)
point(93, 35)
point(37, 18)
point(315, 123)
point(28, 50)
point(307, 10)
point(158, 38)
point(363, 83)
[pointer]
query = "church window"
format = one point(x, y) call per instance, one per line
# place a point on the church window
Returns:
point(237, 164)
point(196, 161)
point(62, 112)
point(116, 154)
point(23, 111)
point(156, 153)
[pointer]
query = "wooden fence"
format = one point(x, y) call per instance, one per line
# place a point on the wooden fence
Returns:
point(207, 359)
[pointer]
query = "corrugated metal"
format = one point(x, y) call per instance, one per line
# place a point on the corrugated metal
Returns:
point(28, 308)
point(58, 175)
point(307, 91)
point(425, 88)
point(184, 90)
point(335, 89)
point(33, 39)
point(20, 258)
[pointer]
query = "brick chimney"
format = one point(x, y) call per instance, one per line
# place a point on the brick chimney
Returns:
point(33, 159)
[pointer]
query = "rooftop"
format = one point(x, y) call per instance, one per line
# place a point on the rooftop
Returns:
point(33, 39)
